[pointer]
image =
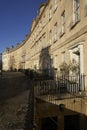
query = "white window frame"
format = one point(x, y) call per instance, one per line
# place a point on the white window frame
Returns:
point(56, 5)
point(55, 31)
point(63, 57)
point(50, 36)
point(63, 21)
point(50, 12)
point(44, 41)
point(76, 10)
point(56, 61)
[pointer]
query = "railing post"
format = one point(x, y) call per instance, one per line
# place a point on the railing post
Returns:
point(80, 82)
point(83, 82)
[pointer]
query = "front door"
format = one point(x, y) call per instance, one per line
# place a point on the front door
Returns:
point(71, 122)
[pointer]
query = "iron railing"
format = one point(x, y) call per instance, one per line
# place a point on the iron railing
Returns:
point(63, 84)
point(51, 89)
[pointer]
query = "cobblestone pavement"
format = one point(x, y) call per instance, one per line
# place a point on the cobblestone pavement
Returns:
point(14, 93)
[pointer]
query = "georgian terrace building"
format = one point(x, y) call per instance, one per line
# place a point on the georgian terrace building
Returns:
point(58, 35)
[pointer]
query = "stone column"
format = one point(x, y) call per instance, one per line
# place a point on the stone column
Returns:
point(81, 66)
point(81, 59)
point(70, 55)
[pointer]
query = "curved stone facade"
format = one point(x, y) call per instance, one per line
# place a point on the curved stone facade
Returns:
point(58, 34)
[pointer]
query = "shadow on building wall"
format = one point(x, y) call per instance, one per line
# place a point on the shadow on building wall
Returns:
point(45, 63)
point(46, 69)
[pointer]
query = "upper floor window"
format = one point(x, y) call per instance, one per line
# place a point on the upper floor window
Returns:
point(50, 13)
point(63, 57)
point(76, 10)
point(56, 61)
point(76, 13)
point(44, 20)
point(44, 40)
point(50, 36)
point(40, 26)
point(85, 10)
point(56, 4)
point(55, 31)
point(63, 22)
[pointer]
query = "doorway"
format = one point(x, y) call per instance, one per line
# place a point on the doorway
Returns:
point(49, 123)
point(71, 122)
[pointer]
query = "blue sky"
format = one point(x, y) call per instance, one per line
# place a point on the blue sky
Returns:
point(15, 20)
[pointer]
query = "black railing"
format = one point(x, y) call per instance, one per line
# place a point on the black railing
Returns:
point(51, 89)
point(63, 84)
